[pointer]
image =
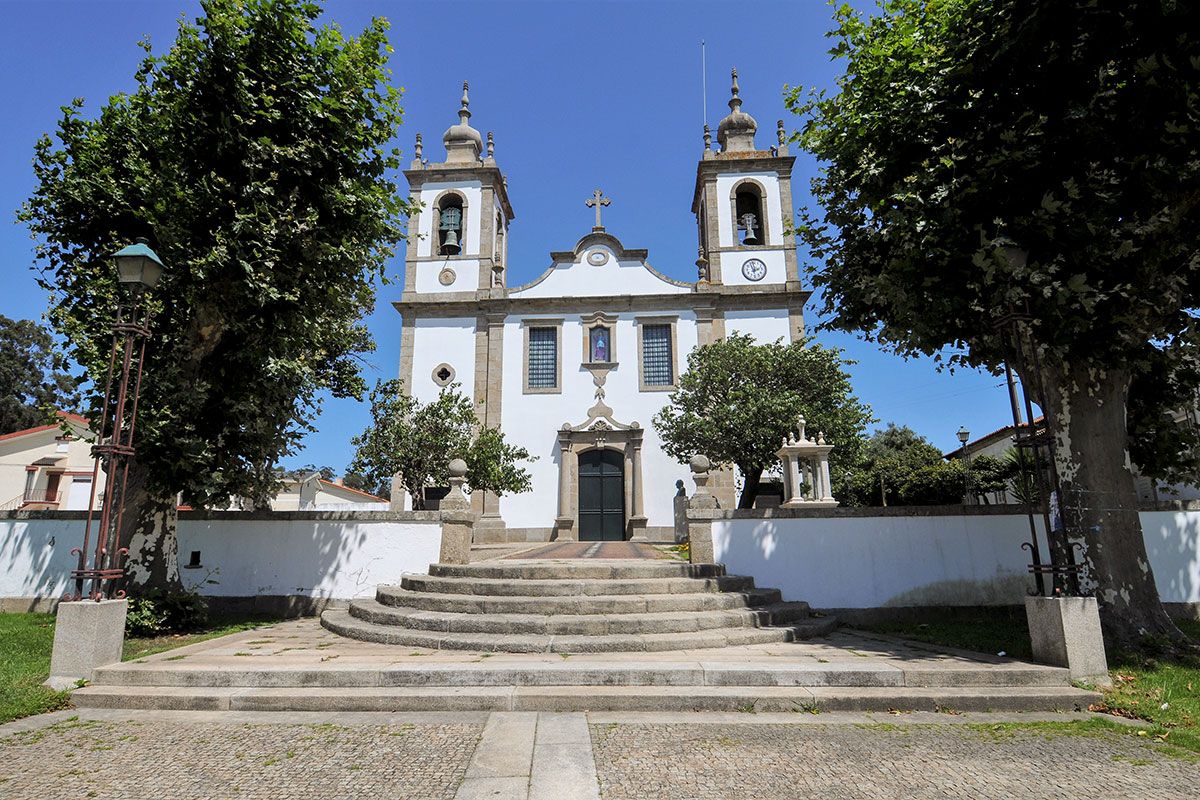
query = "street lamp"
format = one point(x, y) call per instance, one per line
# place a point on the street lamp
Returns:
point(964, 436)
point(139, 269)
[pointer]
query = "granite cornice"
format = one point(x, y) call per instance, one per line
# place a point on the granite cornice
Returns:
point(713, 297)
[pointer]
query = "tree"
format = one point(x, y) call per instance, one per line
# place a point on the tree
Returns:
point(416, 441)
point(33, 378)
point(255, 157)
point(326, 472)
point(899, 467)
point(738, 400)
point(988, 156)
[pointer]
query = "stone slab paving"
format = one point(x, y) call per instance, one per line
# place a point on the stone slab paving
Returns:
point(878, 759)
point(534, 756)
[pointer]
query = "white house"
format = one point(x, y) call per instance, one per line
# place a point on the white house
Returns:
point(575, 364)
point(47, 468)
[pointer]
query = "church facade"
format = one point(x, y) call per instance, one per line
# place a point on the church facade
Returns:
point(568, 369)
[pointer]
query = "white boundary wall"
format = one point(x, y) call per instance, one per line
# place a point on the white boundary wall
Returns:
point(922, 557)
point(327, 556)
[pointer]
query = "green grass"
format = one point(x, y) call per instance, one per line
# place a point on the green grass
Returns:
point(25, 644)
point(982, 632)
point(26, 641)
point(218, 625)
point(1142, 683)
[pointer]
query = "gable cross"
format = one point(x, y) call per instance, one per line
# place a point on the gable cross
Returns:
point(598, 200)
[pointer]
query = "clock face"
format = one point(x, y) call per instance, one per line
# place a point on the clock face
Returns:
point(754, 269)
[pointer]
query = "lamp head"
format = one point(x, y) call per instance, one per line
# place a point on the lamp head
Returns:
point(137, 264)
point(963, 434)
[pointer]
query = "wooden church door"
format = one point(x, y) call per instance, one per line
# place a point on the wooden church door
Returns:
point(601, 496)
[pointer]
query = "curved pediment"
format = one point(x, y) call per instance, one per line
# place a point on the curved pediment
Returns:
point(600, 265)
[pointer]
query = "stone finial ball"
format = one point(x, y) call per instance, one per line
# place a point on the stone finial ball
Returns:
point(458, 468)
point(699, 463)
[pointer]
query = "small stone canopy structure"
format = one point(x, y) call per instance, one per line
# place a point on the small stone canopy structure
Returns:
point(806, 481)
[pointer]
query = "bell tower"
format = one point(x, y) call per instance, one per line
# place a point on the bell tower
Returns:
point(743, 206)
point(458, 240)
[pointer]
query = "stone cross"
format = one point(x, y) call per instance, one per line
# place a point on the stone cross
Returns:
point(597, 200)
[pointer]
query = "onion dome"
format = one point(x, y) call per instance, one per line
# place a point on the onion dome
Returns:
point(463, 143)
point(736, 131)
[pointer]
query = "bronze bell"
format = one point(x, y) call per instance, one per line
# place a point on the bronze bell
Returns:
point(749, 224)
point(450, 222)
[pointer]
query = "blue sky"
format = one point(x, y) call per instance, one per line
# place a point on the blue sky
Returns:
point(579, 95)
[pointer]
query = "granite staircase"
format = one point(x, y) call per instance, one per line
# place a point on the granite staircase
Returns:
point(583, 606)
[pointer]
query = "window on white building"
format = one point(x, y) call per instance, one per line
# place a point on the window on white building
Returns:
point(543, 358)
point(657, 362)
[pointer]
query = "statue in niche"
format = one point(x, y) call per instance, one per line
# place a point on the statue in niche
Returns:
point(600, 344)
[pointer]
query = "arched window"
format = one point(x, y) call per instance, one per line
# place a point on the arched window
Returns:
point(450, 225)
point(749, 221)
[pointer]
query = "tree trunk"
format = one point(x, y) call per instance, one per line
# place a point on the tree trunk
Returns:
point(149, 530)
point(1086, 408)
point(751, 478)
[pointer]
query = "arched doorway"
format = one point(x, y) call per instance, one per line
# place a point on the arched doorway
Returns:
point(601, 496)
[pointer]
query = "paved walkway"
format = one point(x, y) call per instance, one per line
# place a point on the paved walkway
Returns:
point(533, 756)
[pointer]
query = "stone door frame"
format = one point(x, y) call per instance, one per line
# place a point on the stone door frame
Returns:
point(599, 432)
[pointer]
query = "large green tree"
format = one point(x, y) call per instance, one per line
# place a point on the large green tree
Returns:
point(415, 442)
point(255, 155)
point(34, 379)
point(985, 156)
point(738, 400)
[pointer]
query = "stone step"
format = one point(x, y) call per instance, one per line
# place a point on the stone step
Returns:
point(341, 622)
point(573, 587)
point(570, 672)
point(577, 569)
point(575, 604)
point(578, 624)
point(587, 698)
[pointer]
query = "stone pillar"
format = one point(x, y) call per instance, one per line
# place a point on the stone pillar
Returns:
point(637, 521)
point(87, 635)
point(701, 508)
point(458, 521)
point(1065, 632)
point(564, 524)
point(491, 527)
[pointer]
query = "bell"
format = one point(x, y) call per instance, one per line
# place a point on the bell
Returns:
point(450, 243)
point(749, 223)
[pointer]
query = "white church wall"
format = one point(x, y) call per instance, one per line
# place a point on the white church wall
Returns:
point(466, 275)
point(533, 420)
point(764, 326)
point(437, 341)
point(770, 183)
point(731, 262)
point(581, 279)
point(331, 557)
point(472, 191)
point(924, 559)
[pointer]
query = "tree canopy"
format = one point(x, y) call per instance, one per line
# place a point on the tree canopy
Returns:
point(255, 156)
point(989, 156)
point(738, 400)
point(34, 380)
point(415, 442)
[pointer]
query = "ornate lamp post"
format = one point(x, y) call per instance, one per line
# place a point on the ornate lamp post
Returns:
point(964, 436)
point(139, 270)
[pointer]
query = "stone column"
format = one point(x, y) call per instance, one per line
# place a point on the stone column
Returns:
point(87, 635)
point(564, 525)
point(491, 527)
point(458, 521)
point(701, 510)
point(637, 522)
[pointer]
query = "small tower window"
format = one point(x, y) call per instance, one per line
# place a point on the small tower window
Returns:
point(748, 215)
point(450, 225)
point(601, 351)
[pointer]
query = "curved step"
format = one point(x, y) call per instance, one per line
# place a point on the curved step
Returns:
point(572, 587)
point(574, 604)
point(341, 622)
point(578, 569)
point(577, 624)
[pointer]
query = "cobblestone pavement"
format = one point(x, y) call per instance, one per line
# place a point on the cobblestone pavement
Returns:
point(748, 761)
point(164, 760)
